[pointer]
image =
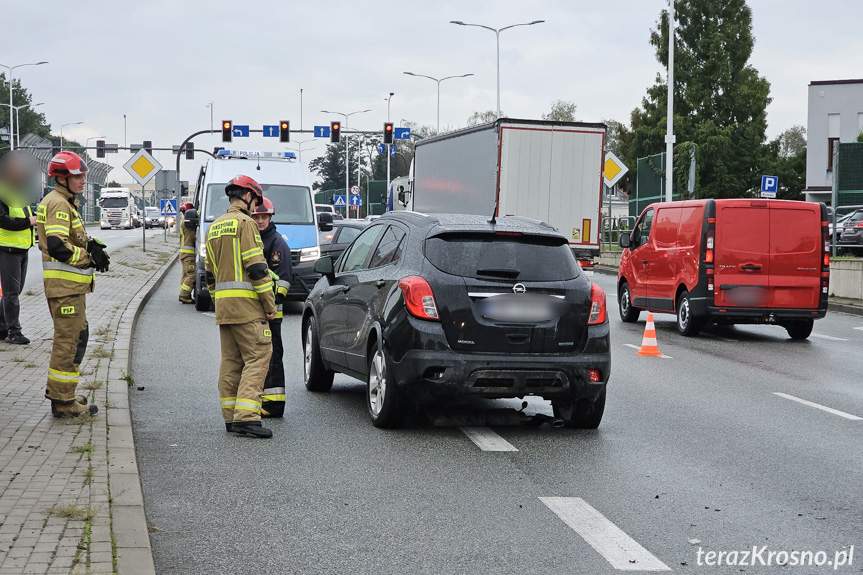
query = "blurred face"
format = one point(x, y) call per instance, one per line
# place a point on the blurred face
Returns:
point(75, 184)
point(263, 220)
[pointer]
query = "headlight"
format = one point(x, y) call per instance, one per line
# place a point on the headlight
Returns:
point(310, 254)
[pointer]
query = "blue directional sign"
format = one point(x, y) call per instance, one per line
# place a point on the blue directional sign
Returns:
point(241, 131)
point(393, 151)
point(356, 201)
point(382, 148)
point(169, 207)
point(402, 133)
point(271, 131)
point(769, 186)
point(339, 201)
point(322, 131)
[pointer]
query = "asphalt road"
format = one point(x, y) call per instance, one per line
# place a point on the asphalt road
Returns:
point(696, 452)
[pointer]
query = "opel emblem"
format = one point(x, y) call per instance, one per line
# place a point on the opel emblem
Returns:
point(519, 288)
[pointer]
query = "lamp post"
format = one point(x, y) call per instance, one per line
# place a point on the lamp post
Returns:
point(61, 131)
point(210, 106)
point(669, 128)
point(497, 32)
point(11, 103)
point(299, 144)
point(438, 89)
point(388, 98)
point(17, 117)
point(347, 165)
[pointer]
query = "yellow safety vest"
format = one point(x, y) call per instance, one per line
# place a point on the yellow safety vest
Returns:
point(21, 239)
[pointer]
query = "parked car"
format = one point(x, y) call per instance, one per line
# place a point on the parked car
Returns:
point(851, 236)
point(153, 217)
point(728, 261)
point(334, 242)
point(443, 307)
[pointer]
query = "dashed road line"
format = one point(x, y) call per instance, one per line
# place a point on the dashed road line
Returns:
point(860, 328)
point(636, 347)
point(618, 548)
point(827, 337)
point(209, 313)
point(819, 406)
point(487, 440)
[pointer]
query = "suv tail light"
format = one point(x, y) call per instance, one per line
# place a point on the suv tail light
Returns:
point(597, 306)
point(419, 298)
point(708, 247)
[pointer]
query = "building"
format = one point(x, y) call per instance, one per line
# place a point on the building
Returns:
point(835, 115)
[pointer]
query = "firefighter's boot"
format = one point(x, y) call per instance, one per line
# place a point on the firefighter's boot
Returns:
point(71, 409)
point(252, 429)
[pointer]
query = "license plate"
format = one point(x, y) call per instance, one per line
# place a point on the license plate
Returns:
point(521, 308)
point(746, 297)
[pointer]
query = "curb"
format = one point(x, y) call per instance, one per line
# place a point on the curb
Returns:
point(128, 519)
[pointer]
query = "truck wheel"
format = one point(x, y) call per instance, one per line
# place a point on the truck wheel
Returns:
point(628, 313)
point(687, 325)
point(799, 330)
point(582, 414)
point(316, 376)
point(382, 396)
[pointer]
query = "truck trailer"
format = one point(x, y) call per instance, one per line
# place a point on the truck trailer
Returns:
point(544, 170)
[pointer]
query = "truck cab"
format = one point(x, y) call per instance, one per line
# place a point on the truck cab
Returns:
point(288, 184)
point(118, 209)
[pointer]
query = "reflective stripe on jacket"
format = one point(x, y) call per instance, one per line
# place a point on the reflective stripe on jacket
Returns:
point(58, 217)
point(187, 240)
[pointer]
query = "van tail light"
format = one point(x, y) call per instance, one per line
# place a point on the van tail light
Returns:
point(419, 298)
point(598, 312)
point(825, 285)
point(825, 235)
point(708, 247)
point(827, 260)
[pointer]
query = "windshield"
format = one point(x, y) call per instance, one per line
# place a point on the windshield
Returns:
point(293, 203)
point(114, 202)
point(152, 212)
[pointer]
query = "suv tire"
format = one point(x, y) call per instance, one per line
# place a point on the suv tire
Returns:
point(628, 313)
point(687, 325)
point(582, 414)
point(315, 374)
point(382, 396)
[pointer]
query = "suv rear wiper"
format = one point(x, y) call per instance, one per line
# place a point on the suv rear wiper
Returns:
point(501, 272)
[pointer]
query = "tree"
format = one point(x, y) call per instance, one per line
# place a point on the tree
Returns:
point(785, 158)
point(720, 100)
point(331, 166)
point(31, 120)
point(113, 184)
point(561, 111)
point(486, 117)
point(792, 141)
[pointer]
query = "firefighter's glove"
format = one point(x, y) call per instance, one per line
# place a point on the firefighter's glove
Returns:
point(98, 256)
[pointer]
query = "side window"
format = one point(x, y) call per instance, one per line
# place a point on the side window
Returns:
point(642, 229)
point(389, 250)
point(347, 235)
point(358, 254)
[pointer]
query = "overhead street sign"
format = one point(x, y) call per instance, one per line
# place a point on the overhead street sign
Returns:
point(111, 148)
point(339, 201)
point(402, 133)
point(769, 186)
point(356, 201)
point(271, 131)
point(322, 131)
point(169, 207)
point(240, 131)
point(142, 167)
point(613, 169)
point(355, 190)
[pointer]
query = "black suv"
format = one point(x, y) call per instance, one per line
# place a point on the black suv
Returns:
point(438, 307)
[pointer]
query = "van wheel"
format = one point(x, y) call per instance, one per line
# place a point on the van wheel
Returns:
point(317, 377)
point(798, 330)
point(382, 395)
point(628, 313)
point(582, 414)
point(687, 325)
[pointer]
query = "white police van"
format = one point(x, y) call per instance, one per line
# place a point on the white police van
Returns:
point(288, 184)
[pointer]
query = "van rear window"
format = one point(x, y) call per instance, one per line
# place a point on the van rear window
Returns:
point(492, 256)
point(293, 203)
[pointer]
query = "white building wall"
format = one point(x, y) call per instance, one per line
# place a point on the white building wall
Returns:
point(835, 110)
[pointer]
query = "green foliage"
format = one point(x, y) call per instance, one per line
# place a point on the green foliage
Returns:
point(486, 117)
point(331, 166)
point(860, 137)
point(561, 111)
point(32, 121)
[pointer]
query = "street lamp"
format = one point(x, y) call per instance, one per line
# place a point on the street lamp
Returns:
point(299, 144)
point(87, 145)
point(388, 98)
point(17, 119)
point(438, 90)
point(61, 131)
point(497, 32)
point(11, 103)
point(210, 106)
point(347, 166)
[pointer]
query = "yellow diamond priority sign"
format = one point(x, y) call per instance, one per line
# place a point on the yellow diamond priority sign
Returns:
point(142, 166)
point(613, 169)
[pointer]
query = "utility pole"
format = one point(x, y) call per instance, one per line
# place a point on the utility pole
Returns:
point(669, 136)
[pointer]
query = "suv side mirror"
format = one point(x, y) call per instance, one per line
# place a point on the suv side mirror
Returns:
point(190, 218)
point(624, 240)
point(324, 266)
point(325, 222)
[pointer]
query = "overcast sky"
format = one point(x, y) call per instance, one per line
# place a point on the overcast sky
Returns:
point(161, 61)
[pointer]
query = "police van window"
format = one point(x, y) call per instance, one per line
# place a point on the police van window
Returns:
point(389, 250)
point(293, 203)
point(359, 252)
point(642, 229)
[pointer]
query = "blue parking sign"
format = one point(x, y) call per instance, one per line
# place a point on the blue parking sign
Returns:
point(769, 186)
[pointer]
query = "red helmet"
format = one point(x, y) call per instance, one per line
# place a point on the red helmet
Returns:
point(241, 184)
point(266, 208)
point(186, 206)
point(66, 164)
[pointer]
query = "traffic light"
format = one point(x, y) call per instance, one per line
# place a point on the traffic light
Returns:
point(55, 147)
point(190, 150)
point(335, 132)
point(284, 131)
point(227, 127)
point(100, 148)
point(388, 133)
point(148, 146)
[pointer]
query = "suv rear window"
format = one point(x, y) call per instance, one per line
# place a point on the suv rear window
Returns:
point(496, 256)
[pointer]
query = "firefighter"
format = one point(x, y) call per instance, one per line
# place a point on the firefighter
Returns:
point(239, 280)
point(68, 262)
point(278, 256)
point(187, 254)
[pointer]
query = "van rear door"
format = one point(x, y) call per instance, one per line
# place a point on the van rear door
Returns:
point(742, 253)
point(795, 255)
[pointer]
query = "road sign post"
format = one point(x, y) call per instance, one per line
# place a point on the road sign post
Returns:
point(142, 166)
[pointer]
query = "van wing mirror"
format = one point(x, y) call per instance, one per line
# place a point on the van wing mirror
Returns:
point(324, 266)
point(190, 218)
point(325, 221)
point(624, 240)
point(404, 196)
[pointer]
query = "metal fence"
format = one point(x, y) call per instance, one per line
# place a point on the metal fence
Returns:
point(612, 228)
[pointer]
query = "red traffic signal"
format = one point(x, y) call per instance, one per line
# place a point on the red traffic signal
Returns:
point(284, 131)
point(335, 132)
point(227, 132)
point(388, 133)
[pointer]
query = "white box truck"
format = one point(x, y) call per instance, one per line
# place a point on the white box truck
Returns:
point(118, 209)
point(545, 170)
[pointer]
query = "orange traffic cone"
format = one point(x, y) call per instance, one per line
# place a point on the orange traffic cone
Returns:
point(648, 344)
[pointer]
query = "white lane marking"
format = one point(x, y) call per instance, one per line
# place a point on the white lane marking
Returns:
point(618, 548)
point(487, 440)
point(209, 313)
point(818, 406)
point(860, 328)
point(827, 337)
point(637, 347)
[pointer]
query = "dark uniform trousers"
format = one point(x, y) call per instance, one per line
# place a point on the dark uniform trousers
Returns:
point(71, 333)
point(13, 272)
point(273, 398)
point(246, 354)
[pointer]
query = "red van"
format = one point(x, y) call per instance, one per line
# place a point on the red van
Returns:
point(728, 261)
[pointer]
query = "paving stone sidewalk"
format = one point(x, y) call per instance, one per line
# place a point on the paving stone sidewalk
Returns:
point(70, 494)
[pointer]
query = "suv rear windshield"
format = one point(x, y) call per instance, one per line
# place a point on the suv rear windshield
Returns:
point(496, 256)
